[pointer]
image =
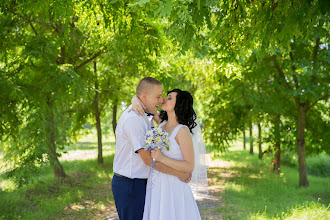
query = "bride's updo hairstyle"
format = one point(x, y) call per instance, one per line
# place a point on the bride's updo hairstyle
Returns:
point(183, 109)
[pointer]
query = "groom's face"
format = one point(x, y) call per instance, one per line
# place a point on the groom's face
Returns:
point(154, 98)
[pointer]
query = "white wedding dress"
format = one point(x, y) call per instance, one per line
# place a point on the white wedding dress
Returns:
point(167, 198)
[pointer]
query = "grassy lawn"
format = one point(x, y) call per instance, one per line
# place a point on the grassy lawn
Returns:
point(246, 187)
point(85, 194)
point(252, 191)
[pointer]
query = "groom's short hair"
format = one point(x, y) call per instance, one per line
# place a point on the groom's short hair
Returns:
point(145, 85)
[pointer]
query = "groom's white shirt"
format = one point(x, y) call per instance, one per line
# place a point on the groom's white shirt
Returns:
point(130, 134)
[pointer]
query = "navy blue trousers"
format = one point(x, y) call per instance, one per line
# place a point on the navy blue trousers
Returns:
point(129, 195)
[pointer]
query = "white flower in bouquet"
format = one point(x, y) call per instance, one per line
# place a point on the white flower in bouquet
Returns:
point(156, 137)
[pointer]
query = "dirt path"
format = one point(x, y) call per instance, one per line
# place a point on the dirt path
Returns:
point(209, 206)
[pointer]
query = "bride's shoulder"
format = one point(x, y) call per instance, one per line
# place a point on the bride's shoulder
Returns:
point(183, 135)
point(183, 130)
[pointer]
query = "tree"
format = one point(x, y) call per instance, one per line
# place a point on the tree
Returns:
point(50, 48)
point(259, 141)
point(273, 29)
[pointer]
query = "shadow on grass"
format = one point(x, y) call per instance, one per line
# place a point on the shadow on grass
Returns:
point(84, 194)
point(250, 187)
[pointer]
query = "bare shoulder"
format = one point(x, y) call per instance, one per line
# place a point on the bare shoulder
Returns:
point(184, 137)
point(184, 132)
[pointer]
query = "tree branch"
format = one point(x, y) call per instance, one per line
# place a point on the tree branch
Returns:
point(280, 71)
point(32, 20)
point(89, 60)
point(294, 71)
point(316, 50)
point(321, 98)
point(315, 53)
point(33, 29)
point(278, 66)
point(76, 110)
point(104, 104)
point(4, 140)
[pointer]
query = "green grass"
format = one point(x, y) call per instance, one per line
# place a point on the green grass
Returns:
point(317, 165)
point(248, 189)
point(253, 191)
point(86, 193)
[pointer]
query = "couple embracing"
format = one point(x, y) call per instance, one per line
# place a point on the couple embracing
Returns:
point(142, 188)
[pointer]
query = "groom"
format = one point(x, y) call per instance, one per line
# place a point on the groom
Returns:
point(131, 165)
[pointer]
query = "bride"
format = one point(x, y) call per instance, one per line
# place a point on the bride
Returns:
point(167, 197)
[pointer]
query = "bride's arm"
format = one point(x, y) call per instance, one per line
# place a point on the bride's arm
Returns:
point(137, 106)
point(185, 141)
point(145, 156)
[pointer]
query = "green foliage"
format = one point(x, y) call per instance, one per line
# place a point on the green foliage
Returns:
point(267, 60)
point(45, 66)
point(317, 165)
point(243, 61)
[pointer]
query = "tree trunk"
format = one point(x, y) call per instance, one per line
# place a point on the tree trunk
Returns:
point(251, 139)
point(114, 115)
point(277, 156)
point(97, 119)
point(259, 140)
point(244, 139)
point(55, 163)
point(303, 181)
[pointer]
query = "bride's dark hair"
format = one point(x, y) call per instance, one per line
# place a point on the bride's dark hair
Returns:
point(183, 109)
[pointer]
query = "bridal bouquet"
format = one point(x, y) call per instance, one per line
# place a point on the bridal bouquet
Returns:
point(156, 137)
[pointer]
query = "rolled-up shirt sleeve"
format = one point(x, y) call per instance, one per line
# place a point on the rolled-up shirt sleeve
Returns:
point(135, 129)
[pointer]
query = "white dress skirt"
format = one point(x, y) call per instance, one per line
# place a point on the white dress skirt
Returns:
point(167, 198)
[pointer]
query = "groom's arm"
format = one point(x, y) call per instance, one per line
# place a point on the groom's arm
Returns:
point(145, 156)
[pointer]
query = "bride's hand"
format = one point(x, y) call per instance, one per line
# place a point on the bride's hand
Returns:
point(189, 178)
point(156, 154)
point(137, 106)
point(185, 177)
